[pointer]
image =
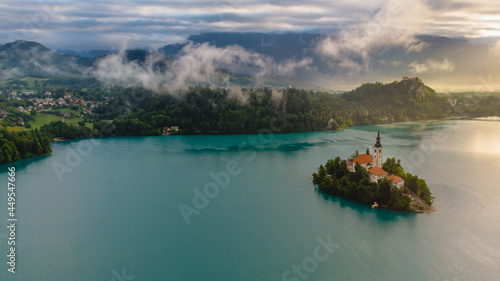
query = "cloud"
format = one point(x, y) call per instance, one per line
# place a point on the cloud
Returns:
point(52, 22)
point(116, 69)
point(393, 25)
point(416, 47)
point(199, 63)
point(431, 65)
point(374, 39)
point(196, 64)
point(495, 48)
point(70, 23)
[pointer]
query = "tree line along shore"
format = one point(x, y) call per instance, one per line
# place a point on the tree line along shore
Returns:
point(135, 111)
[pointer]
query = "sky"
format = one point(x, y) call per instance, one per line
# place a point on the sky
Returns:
point(355, 36)
point(112, 24)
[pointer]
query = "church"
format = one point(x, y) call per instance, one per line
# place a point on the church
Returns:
point(373, 164)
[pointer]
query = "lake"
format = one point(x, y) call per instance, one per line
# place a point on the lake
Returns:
point(244, 208)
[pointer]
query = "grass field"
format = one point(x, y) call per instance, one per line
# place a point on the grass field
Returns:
point(67, 110)
point(72, 121)
point(15, 129)
point(31, 81)
point(43, 119)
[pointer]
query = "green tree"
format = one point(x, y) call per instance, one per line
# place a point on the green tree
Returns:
point(390, 165)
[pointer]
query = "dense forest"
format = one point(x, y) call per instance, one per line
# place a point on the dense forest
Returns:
point(336, 179)
point(59, 129)
point(202, 110)
point(26, 144)
point(16, 146)
point(470, 105)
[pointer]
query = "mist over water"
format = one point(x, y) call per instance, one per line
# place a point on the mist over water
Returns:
point(117, 212)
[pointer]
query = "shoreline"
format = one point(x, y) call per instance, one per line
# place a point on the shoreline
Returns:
point(433, 209)
point(57, 140)
point(380, 207)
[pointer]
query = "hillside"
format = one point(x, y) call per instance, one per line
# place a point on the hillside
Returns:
point(24, 58)
point(202, 110)
point(21, 59)
point(405, 100)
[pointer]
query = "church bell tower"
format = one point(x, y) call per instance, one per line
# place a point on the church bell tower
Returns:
point(377, 153)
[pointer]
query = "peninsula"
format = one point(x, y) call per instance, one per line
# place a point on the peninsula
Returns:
point(366, 179)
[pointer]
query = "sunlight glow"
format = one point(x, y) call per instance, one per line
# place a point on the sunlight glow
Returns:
point(487, 143)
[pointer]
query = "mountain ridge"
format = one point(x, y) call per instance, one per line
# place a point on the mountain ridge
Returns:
point(444, 62)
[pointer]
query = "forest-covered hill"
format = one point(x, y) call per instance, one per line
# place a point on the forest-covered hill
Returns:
point(202, 110)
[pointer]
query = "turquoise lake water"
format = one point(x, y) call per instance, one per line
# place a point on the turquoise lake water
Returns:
point(113, 213)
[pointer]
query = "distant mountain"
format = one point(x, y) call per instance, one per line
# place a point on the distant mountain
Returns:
point(171, 50)
point(91, 53)
point(284, 46)
point(130, 55)
point(280, 46)
point(446, 63)
point(144, 59)
point(25, 58)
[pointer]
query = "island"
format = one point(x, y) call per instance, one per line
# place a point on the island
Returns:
point(366, 179)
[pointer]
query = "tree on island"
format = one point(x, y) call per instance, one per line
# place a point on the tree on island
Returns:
point(414, 183)
point(419, 187)
point(393, 167)
point(353, 156)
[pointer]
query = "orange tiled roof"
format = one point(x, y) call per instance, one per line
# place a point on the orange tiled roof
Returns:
point(395, 179)
point(363, 159)
point(378, 171)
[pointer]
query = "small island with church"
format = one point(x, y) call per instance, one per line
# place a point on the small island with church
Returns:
point(367, 179)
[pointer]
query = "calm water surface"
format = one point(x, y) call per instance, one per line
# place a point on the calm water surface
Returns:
point(114, 214)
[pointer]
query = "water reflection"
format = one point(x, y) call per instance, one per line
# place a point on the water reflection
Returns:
point(364, 211)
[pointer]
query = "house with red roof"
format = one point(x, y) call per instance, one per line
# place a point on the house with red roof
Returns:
point(377, 173)
point(397, 181)
point(365, 160)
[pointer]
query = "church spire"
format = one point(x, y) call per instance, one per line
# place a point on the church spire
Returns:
point(377, 144)
point(377, 152)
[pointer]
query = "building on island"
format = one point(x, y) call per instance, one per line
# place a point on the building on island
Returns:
point(373, 164)
point(368, 161)
point(397, 181)
point(377, 152)
point(377, 173)
point(365, 160)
